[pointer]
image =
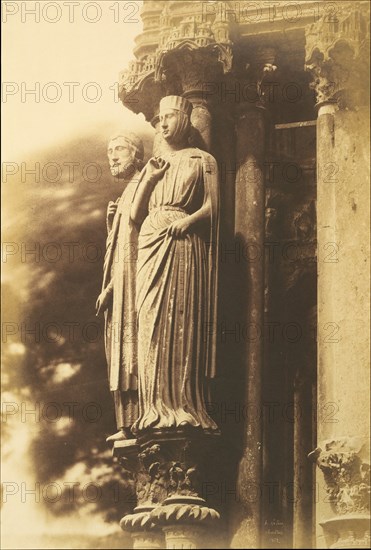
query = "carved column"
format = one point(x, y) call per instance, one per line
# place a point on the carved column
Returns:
point(338, 59)
point(251, 133)
point(249, 227)
point(201, 119)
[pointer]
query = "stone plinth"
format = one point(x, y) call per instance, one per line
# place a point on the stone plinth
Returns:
point(170, 470)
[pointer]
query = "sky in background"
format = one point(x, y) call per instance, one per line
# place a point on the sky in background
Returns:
point(87, 45)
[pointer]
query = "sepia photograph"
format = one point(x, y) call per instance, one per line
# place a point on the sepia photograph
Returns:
point(185, 321)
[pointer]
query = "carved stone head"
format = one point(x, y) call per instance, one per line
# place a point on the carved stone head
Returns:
point(125, 154)
point(175, 118)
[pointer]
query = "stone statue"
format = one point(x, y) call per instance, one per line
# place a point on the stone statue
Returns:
point(176, 207)
point(117, 299)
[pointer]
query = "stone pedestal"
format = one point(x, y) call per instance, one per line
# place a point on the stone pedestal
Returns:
point(170, 470)
point(186, 537)
point(147, 540)
point(352, 531)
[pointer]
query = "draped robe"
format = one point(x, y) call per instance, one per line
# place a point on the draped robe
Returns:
point(176, 289)
point(120, 318)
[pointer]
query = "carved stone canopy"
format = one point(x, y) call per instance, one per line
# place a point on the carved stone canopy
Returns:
point(185, 55)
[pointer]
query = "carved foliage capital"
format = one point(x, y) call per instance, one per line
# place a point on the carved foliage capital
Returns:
point(346, 470)
point(188, 69)
point(169, 471)
point(336, 56)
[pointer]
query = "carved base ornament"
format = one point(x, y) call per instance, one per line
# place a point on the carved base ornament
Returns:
point(170, 471)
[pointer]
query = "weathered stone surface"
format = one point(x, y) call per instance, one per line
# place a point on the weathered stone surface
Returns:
point(346, 467)
point(336, 54)
point(234, 53)
point(338, 61)
point(169, 471)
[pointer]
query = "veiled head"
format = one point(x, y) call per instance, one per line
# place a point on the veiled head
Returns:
point(175, 121)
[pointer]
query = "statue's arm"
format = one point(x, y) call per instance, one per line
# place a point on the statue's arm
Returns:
point(139, 207)
point(111, 212)
point(109, 288)
point(205, 213)
point(104, 299)
point(179, 228)
point(150, 175)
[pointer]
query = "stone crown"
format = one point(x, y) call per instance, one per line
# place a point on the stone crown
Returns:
point(178, 103)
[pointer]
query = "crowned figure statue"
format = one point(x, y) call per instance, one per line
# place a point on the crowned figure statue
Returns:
point(176, 211)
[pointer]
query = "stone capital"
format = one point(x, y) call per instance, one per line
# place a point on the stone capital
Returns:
point(337, 56)
point(253, 81)
point(345, 463)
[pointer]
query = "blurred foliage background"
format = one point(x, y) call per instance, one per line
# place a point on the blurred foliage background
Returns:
point(53, 350)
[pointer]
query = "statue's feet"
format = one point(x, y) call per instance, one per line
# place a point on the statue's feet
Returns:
point(121, 435)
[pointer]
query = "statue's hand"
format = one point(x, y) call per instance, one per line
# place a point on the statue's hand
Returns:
point(156, 168)
point(179, 228)
point(111, 211)
point(103, 302)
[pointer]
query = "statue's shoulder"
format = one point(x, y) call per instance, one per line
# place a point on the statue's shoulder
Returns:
point(203, 155)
